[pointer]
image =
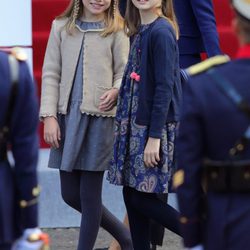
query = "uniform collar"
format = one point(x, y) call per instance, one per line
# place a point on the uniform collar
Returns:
point(244, 52)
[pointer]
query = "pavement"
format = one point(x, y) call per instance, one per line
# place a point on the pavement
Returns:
point(66, 239)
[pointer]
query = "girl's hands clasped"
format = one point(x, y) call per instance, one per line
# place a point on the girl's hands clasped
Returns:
point(152, 152)
point(108, 100)
point(52, 133)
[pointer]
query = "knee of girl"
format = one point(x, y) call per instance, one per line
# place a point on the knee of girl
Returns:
point(69, 199)
point(129, 196)
point(126, 195)
point(90, 200)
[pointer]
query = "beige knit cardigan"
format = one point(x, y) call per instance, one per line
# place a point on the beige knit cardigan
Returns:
point(103, 67)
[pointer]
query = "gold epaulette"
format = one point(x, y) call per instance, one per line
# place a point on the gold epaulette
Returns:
point(207, 64)
point(19, 54)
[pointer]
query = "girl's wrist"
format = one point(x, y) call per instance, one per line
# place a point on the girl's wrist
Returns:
point(49, 117)
point(154, 139)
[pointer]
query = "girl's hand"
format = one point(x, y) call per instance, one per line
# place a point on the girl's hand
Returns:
point(152, 152)
point(52, 133)
point(108, 100)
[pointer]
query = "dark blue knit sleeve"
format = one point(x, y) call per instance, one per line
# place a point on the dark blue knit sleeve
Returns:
point(204, 13)
point(163, 49)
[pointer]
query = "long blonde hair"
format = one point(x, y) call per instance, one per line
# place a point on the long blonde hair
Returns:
point(133, 20)
point(113, 20)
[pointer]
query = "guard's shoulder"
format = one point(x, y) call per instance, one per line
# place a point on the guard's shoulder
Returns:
point(17, 52)
point(207, 64)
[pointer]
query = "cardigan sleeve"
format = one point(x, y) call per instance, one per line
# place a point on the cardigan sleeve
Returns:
point(204, 14)
point(120, 57)
point(51, 74)
point(164, 49)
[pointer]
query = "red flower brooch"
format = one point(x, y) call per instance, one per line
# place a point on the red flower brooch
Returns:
point(135, 76)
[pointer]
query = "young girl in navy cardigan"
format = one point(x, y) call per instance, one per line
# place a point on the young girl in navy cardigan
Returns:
point(147, 117)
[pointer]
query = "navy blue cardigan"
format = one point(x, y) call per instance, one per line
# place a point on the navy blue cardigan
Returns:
point(160, 87)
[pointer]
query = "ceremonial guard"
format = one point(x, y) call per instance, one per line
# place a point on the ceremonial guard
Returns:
point(213, 178)
point(18, 132)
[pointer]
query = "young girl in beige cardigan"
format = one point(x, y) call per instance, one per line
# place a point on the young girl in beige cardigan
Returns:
point(83, 67)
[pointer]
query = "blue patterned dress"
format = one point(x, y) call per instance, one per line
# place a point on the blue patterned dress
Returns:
point(127, 166)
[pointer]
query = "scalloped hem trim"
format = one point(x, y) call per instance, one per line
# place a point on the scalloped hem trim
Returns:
point(44, 115)
point(90, 113)
point(96, 114)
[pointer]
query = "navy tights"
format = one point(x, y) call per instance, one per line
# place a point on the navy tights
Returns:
point(142, 207)
point(82, 190)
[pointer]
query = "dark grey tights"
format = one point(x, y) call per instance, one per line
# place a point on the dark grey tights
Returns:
point(82, 190)
point(5, 247)
point(142, 207)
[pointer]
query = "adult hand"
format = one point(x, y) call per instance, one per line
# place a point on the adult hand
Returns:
point(52, 133)
point(108, 100)
point(152, 152)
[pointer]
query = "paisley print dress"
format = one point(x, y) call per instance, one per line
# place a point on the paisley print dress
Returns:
point(127, 167)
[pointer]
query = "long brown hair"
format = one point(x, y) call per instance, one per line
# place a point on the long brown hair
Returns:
point(133, 20)
point(113, 20)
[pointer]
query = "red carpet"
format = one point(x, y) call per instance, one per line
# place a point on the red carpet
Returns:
point(44, 11)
